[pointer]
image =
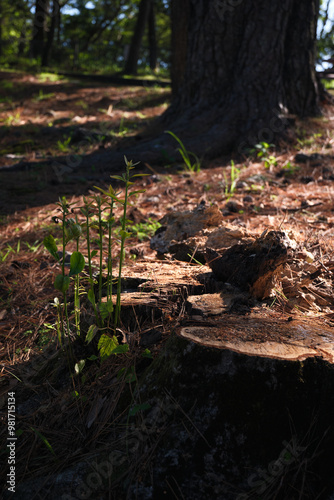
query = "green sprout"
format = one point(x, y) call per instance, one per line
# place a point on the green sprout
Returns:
point(231, 184)
point(187, 155)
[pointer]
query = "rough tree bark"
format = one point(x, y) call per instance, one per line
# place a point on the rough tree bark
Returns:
point(242, 67)
point(133, 56)
point(180, 16)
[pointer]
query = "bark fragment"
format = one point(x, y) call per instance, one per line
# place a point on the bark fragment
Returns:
point(252, 266)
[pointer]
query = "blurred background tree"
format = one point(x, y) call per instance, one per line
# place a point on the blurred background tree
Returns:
point(107, 36)
point(326, 34)
point(104, 36)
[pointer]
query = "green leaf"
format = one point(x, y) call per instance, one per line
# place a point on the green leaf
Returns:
point(79, 366)
point(129, 164)
point(92, 357)
point(128, 374)
point(50, 245)
point(124, 234)
point(106, 308)
point(76, 231)
point(106, 346)
point(91, 296)
point(136, 408)
point(121, 349)
point(93, 253)
point(175, 137)
point(77, 263)
point(62, 283)
point(102, 191)
point(147, 354)
point(121, 372)
point(136, 192)
point(45, 441)
point(93, 329)
point(115, 196)
point(118, 177)
point(185, 157)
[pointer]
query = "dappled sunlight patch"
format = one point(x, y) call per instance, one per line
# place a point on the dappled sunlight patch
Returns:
point(47, 110)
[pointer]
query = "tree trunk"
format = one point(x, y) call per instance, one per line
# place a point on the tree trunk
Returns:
point(180, 18)
point(22, 41)
point(133, 56)
point(39, 27)
point(1, 18)
point(242, 67)
point(51, 32)
point(152, 39)
point(299, 68)
point(0, 30)
point(58, 27)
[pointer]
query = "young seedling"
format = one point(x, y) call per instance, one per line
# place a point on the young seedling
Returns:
point(34, 246)
point(64, 146)
point(262, 151)
point(107, 344)
point(106, 308)
point(186, 155)
point(87, 211)
point(230, 185)
point(73, 231)
point(99, 241)
point(124, 234)
point(9, 249)
point(145, 230)
point(70, 230)
point(270, 161)
point(289, 169)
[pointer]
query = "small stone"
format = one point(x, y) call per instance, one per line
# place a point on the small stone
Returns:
point(301, 158)
point(308, 256)
point(241, 185)
point(67, 257)
point(150, 338)
point(153, 199)
point(234, 206)
point(306, 179)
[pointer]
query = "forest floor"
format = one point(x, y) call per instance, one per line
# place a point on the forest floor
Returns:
point(289, 187)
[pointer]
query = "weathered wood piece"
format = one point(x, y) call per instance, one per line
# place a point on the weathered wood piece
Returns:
point(162, 277)
point(265, 334)
point(178, 226)
point(252, 266)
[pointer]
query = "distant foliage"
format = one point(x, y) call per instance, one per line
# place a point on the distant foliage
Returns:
point(326, 32)
point(92, 36)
